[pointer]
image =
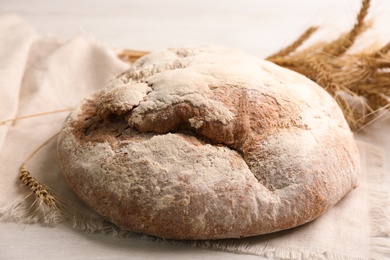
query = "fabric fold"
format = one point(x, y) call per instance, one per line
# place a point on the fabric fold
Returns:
point(43, 74)
point(16, 38)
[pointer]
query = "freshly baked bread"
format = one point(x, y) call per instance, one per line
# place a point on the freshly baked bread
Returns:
point(207, 142)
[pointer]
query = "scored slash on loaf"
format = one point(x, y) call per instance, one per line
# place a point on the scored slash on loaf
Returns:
point(207, 142)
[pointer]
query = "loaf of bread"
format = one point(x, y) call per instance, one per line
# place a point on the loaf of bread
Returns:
point(206, 142)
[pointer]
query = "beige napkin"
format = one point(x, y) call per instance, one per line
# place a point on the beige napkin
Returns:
point(39, 74)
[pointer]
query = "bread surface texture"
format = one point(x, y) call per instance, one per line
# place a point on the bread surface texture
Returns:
point(207, 142)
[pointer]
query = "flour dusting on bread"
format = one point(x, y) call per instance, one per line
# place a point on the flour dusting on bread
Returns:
point(207, 142)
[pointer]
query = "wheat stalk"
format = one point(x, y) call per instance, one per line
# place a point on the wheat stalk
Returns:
point(46, 205)
point(37, 188)
point(297, 43)
point(34, 115)
point(365, 75)
point(51, 207)
point(343, 43)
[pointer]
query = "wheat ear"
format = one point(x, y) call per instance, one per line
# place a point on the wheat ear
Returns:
point(37, 188)
point(40, 191)
point(343, 43)
point(292, 47)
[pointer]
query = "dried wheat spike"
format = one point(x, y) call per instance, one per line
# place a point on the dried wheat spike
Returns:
point(292, 47)
point(364, 75)
point(377, 101)
point(343, 43)
point(381, 53)
point(320, 72)
point(37, 188)
point(383, 64)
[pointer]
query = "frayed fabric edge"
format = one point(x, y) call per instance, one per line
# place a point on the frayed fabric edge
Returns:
point(26, 212)
point(23, 212)
point(258, 250)
point(379, 199)
point(379, 211)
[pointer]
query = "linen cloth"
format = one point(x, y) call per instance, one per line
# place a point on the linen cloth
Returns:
point(39, 74)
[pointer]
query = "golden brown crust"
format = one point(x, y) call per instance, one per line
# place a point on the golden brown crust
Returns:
point(208, 143)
